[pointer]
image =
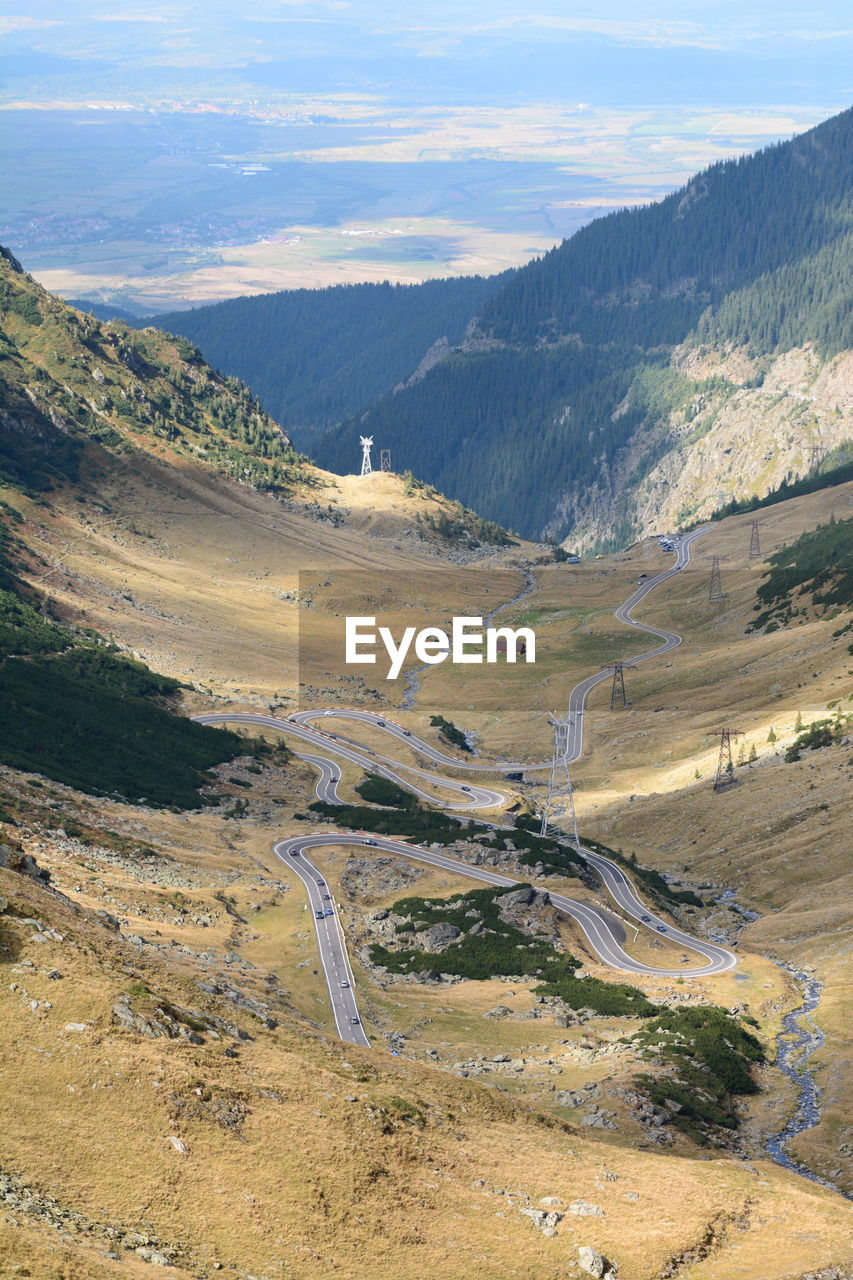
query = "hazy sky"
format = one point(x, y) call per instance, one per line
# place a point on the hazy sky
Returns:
point(753, 50)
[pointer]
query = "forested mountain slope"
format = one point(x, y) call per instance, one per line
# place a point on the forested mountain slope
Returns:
point(711, 326)
point(315, 356)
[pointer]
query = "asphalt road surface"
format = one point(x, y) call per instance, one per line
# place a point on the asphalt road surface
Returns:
point(604, 932)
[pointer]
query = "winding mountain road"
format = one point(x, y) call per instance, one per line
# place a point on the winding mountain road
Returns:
point(604, 932)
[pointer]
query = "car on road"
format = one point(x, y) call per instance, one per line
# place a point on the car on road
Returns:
point(407, 732)
point(333, 777)
point(329, 911)
point(381, 724)
point(370, 842)
point(355, 1020)
point(646, 919)
point(344, 982)
point(466, 788)
point(661, 928)
point(294, 853)
point(319, 915)
point(327, 897)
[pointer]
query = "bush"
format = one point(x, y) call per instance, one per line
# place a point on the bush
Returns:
point(378, 790)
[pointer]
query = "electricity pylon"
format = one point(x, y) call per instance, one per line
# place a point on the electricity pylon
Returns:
point(715, 589)
point(384, 459)
point(366, 464)
point(559, 779)
point(754, 544)
point(725, 765)
point(617, 693)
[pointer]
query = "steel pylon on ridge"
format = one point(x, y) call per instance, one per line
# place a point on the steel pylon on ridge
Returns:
point(559, 779)
point(617, 692)
point(725, 776)
point(715, 587)
point(754, 542)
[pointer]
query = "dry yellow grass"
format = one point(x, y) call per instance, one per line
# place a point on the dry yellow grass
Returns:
point(316, 1185)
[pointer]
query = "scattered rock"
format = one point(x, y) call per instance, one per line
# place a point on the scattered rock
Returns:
point(583, 1209)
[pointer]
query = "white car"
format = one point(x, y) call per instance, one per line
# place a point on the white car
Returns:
point(344, 982)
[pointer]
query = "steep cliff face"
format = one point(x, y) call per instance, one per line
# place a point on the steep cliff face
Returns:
point(756, 423)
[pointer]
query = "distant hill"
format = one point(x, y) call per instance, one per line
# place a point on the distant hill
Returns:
point(317, 356)
point(637, 372)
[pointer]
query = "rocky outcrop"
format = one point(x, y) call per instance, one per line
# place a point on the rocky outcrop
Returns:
point(14, 859)
point(438, 937)
point(753, 425)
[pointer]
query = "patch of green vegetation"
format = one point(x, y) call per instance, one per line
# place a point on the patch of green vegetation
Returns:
point(818, 563)
point(651, 879)
point(378, 790)
point(80, 713)
point(820, 733)
point(416, 823)
point(450, 733)
point(499, 948)
point(712, 1054)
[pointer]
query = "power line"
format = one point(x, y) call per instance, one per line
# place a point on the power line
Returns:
point(754, 543)
point(715, 588)
point(559, 779)
point(725, 765)
point(617, 693)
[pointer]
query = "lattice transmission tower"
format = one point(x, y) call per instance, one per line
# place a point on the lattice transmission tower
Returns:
point(618, 696)
point(384, 459)
point(559, 779)
point(715, 588)
point(366, 464)
point(754, 542)
point(725, 765)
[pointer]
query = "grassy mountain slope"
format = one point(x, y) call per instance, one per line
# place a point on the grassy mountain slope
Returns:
point(256, 1144)
point(315, 356)
point(646, 332)
point(69, 382)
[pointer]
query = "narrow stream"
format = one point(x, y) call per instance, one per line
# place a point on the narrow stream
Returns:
point(413, 684)
point(795, 1043)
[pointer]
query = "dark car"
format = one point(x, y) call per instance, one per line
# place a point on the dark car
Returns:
point(354, 1020)
point(661, 928)
point(646, 919)
point(319, 915)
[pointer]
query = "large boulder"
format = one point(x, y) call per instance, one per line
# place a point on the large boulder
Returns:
point(438, 937)
point(595, 1264)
